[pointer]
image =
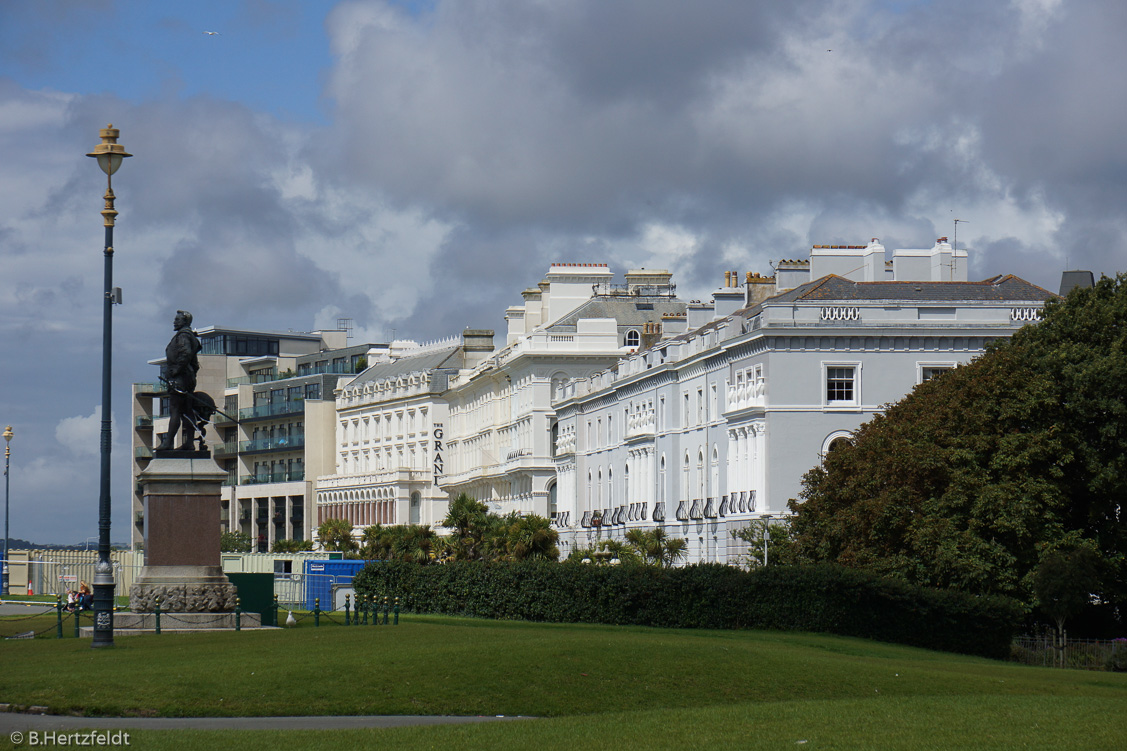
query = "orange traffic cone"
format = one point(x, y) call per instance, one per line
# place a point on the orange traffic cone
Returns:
point(30, 591)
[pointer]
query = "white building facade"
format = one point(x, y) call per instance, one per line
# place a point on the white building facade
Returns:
point(712, 430)
point(390, 435)
point(577, 321)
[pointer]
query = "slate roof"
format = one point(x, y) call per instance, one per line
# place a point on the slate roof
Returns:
point(448, 357)
point(999, 288)
point(623, 309)
point(1007, 288)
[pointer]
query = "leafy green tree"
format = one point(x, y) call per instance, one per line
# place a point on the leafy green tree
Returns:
point(1065, 582)
point(974, 478)
point(336, 535)
point(234, 542)
point(291, 546)
point(778, 538)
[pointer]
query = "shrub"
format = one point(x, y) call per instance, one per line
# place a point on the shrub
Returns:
point(824, 598)
point(1117, 660)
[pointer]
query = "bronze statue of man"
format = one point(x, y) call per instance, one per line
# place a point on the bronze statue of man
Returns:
point(181, 366)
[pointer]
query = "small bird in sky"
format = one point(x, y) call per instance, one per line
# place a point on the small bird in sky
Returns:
point(212, 33)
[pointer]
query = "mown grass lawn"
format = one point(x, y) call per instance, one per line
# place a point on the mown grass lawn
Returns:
point(596, 687)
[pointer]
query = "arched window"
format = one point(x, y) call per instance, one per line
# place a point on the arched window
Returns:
point(633, 339)
point(661, 480)
point(715, 490)
point(558, 380)
point(552, 501)
point(416, 508)
point(835, 441)
point(610, 486)
point(626, 484)
point(701, 490)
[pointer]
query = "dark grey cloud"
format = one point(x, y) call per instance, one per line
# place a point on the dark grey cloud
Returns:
point(593, 118)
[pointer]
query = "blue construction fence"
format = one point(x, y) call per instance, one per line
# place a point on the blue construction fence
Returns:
point(327, 581)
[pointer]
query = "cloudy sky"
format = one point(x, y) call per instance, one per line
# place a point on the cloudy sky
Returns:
point(414, 165)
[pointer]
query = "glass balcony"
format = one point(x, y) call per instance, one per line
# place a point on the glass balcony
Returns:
point(257, 378)
point(277, 409)
point(144, 422)
point(143, 452)
point(225, 449)
point(296, 475)
point(286, 443)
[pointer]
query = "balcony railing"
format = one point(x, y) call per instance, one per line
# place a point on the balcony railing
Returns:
point(263, 478)
point(275, 409)
point(143, 452)
point(225, 449)
point(286, 443)
point(256, 378)
point(144, 422)
point(336, 369)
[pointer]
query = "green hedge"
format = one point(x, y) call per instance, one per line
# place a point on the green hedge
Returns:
point(825, 598)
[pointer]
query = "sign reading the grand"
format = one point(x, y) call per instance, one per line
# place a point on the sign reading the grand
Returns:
point(437, 452)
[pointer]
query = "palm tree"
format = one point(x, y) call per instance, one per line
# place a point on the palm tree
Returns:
point(336, 534)
point(606, 551)
point(415, 544)
point(532, 538)
point(656, 547)
point(469, 520)
point(375, 542)
point(670, 550)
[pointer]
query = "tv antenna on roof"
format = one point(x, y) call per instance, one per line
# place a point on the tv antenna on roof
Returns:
point(955, 237)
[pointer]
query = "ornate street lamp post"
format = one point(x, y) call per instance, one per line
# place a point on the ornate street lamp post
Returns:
point(110, 154)
point(7, 465)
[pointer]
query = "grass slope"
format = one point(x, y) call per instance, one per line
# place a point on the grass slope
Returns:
point(599, 686)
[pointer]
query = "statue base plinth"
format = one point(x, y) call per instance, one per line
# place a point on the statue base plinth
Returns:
point(182, 561)
point(183, 589)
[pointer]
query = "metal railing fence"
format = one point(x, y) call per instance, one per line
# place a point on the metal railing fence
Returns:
point(1049, 650)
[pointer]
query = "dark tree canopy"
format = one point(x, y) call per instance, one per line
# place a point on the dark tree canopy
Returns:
point(977, 476)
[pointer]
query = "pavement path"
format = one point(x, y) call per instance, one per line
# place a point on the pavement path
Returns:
point(18, 608)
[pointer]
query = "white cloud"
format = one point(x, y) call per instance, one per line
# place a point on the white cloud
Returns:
point(82, 434)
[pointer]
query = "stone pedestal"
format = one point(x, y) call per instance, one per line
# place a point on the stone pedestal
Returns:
point(182, 563)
